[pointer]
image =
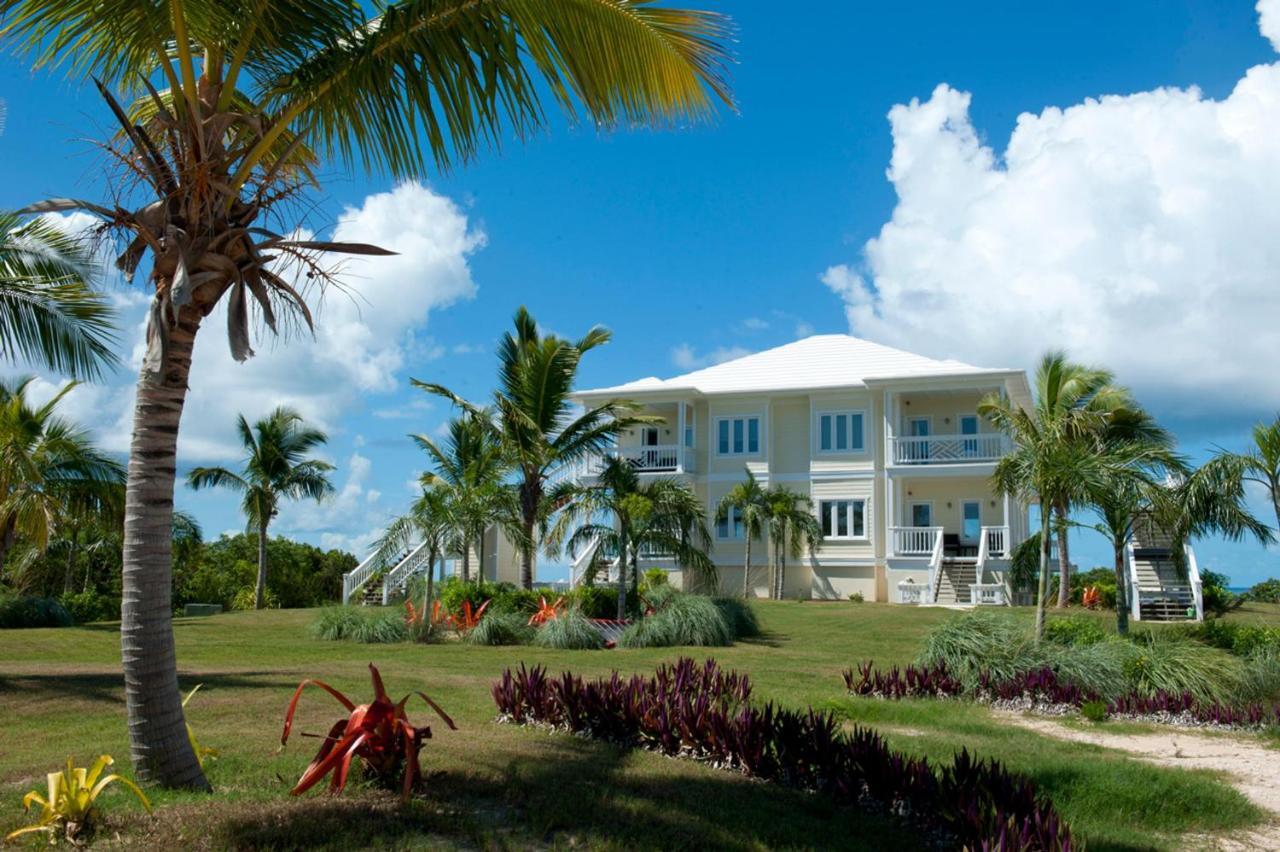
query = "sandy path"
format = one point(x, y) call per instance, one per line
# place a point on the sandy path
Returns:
point(1253, 769)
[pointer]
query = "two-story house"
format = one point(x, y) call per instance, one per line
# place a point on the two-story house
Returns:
point(887, 446)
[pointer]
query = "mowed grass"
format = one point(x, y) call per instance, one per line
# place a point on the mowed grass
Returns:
point(501, 786)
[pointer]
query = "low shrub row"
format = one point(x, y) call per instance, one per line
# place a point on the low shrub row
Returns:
point(591, 601)
point(361, 624)
point(703, 712)
point(21, 612)
point(1243, 640)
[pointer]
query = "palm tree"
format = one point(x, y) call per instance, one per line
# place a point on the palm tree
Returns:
point(49, 313)
point(49, 469)
point(626, 517)
point(535, 418)
point(470, 469)
point(431, 522)
point(750, 502)
point(1057, 457)
point(1260, 465)
point(237, 103)
point(793, 531)
point(276, 468)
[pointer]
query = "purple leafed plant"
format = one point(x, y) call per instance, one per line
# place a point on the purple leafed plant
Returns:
point(703, 712)
point(911, 682)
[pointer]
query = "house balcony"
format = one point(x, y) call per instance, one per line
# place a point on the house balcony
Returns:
point(979, 448)
point(937, 544)
point(659, 459)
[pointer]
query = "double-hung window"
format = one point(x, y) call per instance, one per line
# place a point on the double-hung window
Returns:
point(843, 518)
point(730, 526)
point(738, 436)
point(841, 432)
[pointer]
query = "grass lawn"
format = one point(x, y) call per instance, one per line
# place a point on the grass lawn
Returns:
point(500, 786)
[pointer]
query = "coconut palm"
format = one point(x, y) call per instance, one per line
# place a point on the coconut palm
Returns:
point(752, 506)
point(626, 517)
point(1057, 458)
point(1260, 465)
point(470, 467)
point(235, 103)
point(49, 313)
point(793, 531)
point(276, 468)
point(430, 523)
point(536, 421)
point(49, 469)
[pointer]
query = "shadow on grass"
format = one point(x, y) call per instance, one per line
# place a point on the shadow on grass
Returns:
point(109, 686)
point(583, 794)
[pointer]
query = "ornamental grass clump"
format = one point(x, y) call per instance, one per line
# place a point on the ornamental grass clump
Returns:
point(359, 624)
point(703, 712)
point(572, 631)
point(741, 617)
point(501, 628)
point(680, 619)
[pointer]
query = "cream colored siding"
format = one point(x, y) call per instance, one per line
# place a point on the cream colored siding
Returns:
point(947, 497)
point(790, 446)
point(835, 460)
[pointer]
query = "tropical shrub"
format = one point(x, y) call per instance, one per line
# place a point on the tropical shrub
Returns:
point(1240, 639)
point(1218, 599)
point(1179, 666)
point(378, 733)
point(910, 682)
point(680, 619)
point(653, 577)
point(70, 804)
point(360, 624)
point(501, 628)
point(595, 601)
point(1103, 580)
point(1075, 630)
point(91, 605)
point(23, 612)
point(1094, 711)
point(300, 575)
point(702, 711)
point(453, 593)
point(244, 599)
point(741, 617)
point(1268, 591)
point(572, 631)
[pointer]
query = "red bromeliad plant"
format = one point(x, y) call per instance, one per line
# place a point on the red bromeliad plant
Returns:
point(546, 612)
point(378, 733)
point(1092, 597)
point(465, 621)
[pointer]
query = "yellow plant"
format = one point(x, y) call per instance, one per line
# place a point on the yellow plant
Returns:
point(73, 792)
point(202, 752)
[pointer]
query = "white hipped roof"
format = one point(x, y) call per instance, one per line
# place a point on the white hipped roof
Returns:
point(819, 362)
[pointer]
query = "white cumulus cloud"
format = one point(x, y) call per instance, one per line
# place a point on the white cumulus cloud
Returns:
point(686, 358)
point(1138, 231)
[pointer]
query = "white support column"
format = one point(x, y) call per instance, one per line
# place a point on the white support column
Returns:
point(680, 436)
point(890, 513)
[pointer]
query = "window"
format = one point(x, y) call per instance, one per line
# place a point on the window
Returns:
point(840, 432)
point(736, 436)
point(921, 514)
point(843, 518)
point(730, 526)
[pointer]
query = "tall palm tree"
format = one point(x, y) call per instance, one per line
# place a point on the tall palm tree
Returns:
point(627, 517)
point(1057, 458)
point(235, 105)
point(49, 313)
point(49, 468)
point(1260, 464)
point(535, 418)
point(751, 503)
point(470, 469)
point(276, 468)
point(432, 523)
point(793, 531)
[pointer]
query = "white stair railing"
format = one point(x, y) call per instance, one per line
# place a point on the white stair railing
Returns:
point(398, 576)
point(1193, 574)
point(582, 561)
point(1131, 579)
point(935, 568)
point(359, 575)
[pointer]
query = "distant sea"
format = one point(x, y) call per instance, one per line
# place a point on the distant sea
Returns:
point(1239, 590)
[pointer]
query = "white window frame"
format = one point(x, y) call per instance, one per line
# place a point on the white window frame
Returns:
point(911, 514)
point(746, 434)
point(833, 414)
point(834, 503)
point(734, 526)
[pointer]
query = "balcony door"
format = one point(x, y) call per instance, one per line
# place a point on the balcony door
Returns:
point(969, 426)
point(919, 427)
point(649, 438)
point(921, 514)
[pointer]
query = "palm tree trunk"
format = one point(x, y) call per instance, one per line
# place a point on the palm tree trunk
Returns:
point(746, 572)
point(260, 591)
point(1122, 593)
point(1043, 583)
point(526, 554)
point(466, 562)
point(432, 555)
point(71, 565)
point(622, 580)
point(1064, 561)
point(7, 540)
point(480, 554)
point(158, 740)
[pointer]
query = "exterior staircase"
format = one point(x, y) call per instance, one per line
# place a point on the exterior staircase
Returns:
point(956, 580)
point(1158, 591)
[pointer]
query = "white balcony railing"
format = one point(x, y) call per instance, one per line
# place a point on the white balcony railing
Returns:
point(664, 458)
point(997, 541)
point(914, 541)
point(949, 449)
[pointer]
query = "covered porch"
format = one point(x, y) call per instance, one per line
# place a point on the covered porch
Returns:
point(667, 445)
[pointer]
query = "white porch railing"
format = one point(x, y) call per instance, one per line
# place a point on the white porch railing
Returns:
point(398, 576)
point(996, 542)
point(987, 594)
point(915, 541)
point(358, 576)
point(949, 449)
point(666, 458)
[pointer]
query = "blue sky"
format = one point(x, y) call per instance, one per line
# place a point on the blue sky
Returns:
point(1133, 231)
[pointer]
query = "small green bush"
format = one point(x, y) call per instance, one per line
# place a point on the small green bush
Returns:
point(653, 577)
point(572, 631)
point(453, 592)
point(683, 619)
point(857, 597)
point(1103, 579)
point(1094, 711)
point(1074, 630)
point(336, 623)
point(1262, 675)
point(1242, 640)
point(1217, 598)
point(91, 605)
point(360, 624)
point(380, 628)
point(501, 628)
point(595, 601)
point(244, 599)
point(741, 617)
point(1268, 591)
point(1177, 665)
point(24, 612)
point(978, 641)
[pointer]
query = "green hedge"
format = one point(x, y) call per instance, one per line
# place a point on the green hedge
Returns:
point(17, 613)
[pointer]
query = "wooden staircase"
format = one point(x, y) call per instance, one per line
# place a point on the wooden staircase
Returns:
point(1163, 595)
point(957, 578)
